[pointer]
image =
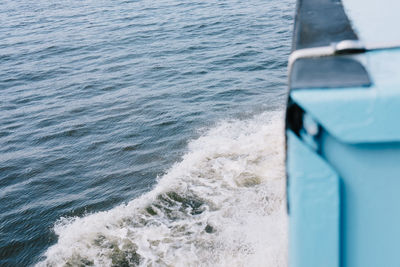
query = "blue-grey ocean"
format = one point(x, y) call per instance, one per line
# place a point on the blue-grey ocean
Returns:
point(143, 132)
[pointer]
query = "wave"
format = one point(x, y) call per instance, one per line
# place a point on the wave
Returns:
point(223, 204)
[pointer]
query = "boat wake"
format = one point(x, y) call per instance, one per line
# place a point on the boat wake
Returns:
point(222, 205)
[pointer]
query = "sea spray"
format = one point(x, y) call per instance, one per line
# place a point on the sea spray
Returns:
point(223, 204)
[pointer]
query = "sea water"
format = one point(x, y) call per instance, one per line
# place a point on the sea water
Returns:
point(143, 132)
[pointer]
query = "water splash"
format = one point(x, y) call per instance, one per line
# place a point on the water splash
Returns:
point(222, 205)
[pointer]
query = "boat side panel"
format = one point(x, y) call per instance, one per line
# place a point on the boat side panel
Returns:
point(313, 198)
point(370, 210)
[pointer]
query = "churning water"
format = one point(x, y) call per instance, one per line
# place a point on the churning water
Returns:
point(143, 132)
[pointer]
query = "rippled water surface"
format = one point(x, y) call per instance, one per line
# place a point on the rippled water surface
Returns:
point(142, 132)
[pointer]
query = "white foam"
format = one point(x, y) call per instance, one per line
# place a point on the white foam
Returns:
point(222, 205)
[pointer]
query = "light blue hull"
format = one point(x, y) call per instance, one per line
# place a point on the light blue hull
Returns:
point(343, 165)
